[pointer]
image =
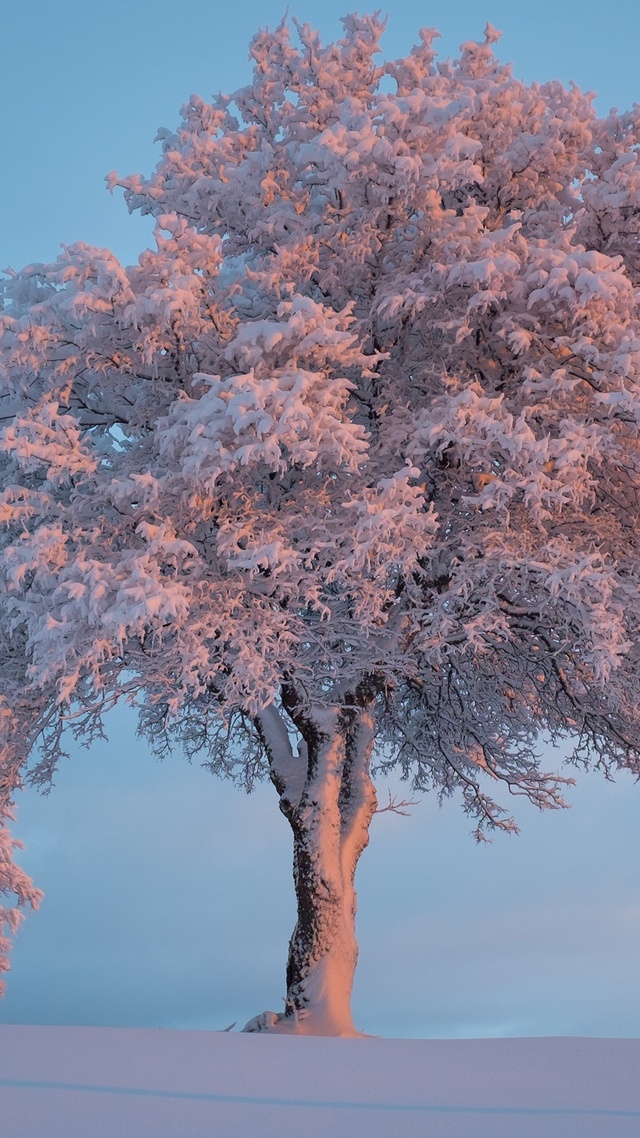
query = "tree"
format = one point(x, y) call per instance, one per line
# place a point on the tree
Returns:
point(346, 469)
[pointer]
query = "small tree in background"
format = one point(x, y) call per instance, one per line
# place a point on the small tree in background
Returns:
point(347, 468)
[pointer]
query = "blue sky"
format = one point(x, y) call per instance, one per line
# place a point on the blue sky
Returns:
point(168, 893)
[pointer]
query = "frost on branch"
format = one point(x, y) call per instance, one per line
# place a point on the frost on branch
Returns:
point(352, 452)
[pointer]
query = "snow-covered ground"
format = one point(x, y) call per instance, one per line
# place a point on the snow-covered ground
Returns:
point(76, 1082)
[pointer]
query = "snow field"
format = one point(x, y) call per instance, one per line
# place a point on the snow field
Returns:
point(68, 1082)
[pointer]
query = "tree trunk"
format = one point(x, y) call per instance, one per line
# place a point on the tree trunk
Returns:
point(327, 795)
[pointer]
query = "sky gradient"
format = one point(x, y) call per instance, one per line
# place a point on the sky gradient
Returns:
point(168, 893)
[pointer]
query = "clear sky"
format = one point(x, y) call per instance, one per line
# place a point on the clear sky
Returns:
point(169, 898)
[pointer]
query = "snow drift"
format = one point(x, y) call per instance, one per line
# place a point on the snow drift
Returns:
point(70, 1082)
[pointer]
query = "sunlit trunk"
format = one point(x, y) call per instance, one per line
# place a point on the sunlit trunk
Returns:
point(329, 813)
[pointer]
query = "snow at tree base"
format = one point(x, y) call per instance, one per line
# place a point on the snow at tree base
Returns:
point(345, 472)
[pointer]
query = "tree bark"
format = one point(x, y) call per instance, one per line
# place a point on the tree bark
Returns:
point(327, 795)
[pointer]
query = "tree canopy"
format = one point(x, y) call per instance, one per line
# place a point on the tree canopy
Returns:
point(356, 442)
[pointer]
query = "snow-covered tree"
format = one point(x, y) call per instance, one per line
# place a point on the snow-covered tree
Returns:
point(347, 468)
